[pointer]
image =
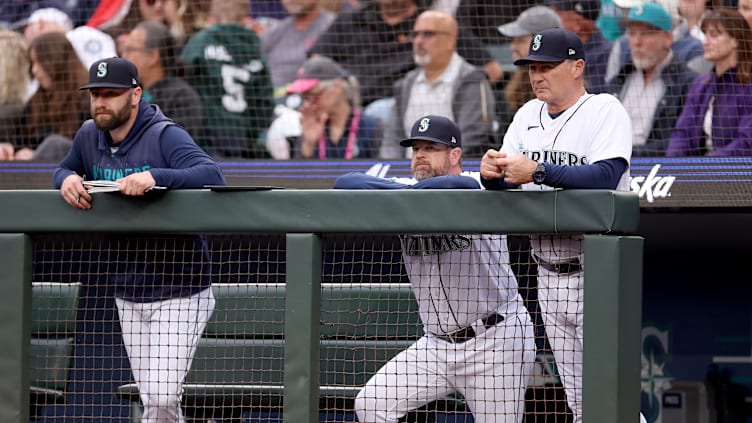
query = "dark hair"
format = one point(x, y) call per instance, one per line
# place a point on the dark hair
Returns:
point(61, 108)
point(732, 22)
point(158, 38)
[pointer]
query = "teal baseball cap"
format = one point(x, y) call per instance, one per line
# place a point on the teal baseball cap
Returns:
point(652, 14)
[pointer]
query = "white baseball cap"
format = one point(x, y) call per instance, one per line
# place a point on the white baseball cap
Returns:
point(50, 14)
point(671, 5)
point(91, 44)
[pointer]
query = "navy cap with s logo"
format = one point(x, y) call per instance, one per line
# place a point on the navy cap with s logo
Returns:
point(553, 45)
point(113, 72)
point(434, 128)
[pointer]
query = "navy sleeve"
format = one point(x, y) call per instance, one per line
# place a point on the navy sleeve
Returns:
point(72, 163)
point(189, 165)
point(447, 182)
point(356, 180)
point(496, 184)
point(363, 181)
point(604, 174)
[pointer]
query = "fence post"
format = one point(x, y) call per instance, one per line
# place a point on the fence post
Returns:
point(302, 328)
point(612, 324)
point(15, 326)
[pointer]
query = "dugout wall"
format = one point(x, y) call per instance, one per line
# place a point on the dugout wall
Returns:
point(612, 367)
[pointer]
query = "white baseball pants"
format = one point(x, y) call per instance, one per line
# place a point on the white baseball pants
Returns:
point(161, 338)
point(560, 298)
point(491, 371)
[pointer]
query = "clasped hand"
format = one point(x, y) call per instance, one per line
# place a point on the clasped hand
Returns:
point(517, 169)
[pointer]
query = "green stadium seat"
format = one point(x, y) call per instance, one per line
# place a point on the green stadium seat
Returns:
point(53, 327)
point(239, 363)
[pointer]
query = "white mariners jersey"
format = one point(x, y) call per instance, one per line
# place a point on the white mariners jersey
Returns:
point(458, 279)
point(595, 128)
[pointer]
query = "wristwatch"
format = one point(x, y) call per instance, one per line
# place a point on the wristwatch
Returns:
point(539, 175)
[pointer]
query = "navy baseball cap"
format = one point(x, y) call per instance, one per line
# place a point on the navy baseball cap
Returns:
point(113, 72)
point(435, 129)
point(588, 9)
point(553, 45)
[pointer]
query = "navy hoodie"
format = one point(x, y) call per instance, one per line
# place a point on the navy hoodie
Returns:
point(146, 267)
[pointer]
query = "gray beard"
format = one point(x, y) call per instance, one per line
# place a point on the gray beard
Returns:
point(646, 63)
point(421, 60)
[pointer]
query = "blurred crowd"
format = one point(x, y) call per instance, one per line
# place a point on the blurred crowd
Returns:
point(318, 79)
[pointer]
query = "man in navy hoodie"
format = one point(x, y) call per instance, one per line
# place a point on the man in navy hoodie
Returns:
point(163, 303)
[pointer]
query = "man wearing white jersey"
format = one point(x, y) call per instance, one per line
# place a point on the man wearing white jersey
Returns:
point(479, 338)
point(565, 138)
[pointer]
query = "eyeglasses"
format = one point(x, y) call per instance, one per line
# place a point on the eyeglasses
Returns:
point(427, 34)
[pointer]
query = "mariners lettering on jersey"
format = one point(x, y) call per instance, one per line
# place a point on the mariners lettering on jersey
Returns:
point(557, 157)
point(110, 174)
point(425, 245)
point(217, 52)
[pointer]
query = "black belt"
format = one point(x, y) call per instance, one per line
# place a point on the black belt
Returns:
point(570, 266)
point(468, 333)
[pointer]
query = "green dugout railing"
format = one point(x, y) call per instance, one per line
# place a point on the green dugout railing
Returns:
point(613, 276)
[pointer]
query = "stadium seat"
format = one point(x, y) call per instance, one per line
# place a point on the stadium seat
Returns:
point(54, 308)
point(239, 364)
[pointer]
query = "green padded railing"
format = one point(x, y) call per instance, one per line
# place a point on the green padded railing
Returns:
point(613, 275)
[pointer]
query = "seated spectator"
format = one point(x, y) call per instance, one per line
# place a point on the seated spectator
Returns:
point(285, 45)
point(482, 17)
point(15, 13)
point(687, 48)
point(693, 11)
point(579, 17)
point(90, 43)
point(331, 122)
point(653, 85)
point(443, 84)
point(373, 43)
point(518, 91)
point(118, 17)
point(717, 117)
point(180, 16)
point(225, 65)
point(58, 108)
point(609, 20)
point(14, 55)
point(745, 9)
point(151, 48)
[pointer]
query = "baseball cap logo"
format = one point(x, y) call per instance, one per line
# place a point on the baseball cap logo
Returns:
point(102, 70)
point(537, 42)
point(424, 125)
point(571, 52)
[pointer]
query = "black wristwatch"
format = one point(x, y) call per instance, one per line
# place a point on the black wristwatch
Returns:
point(539, 175)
